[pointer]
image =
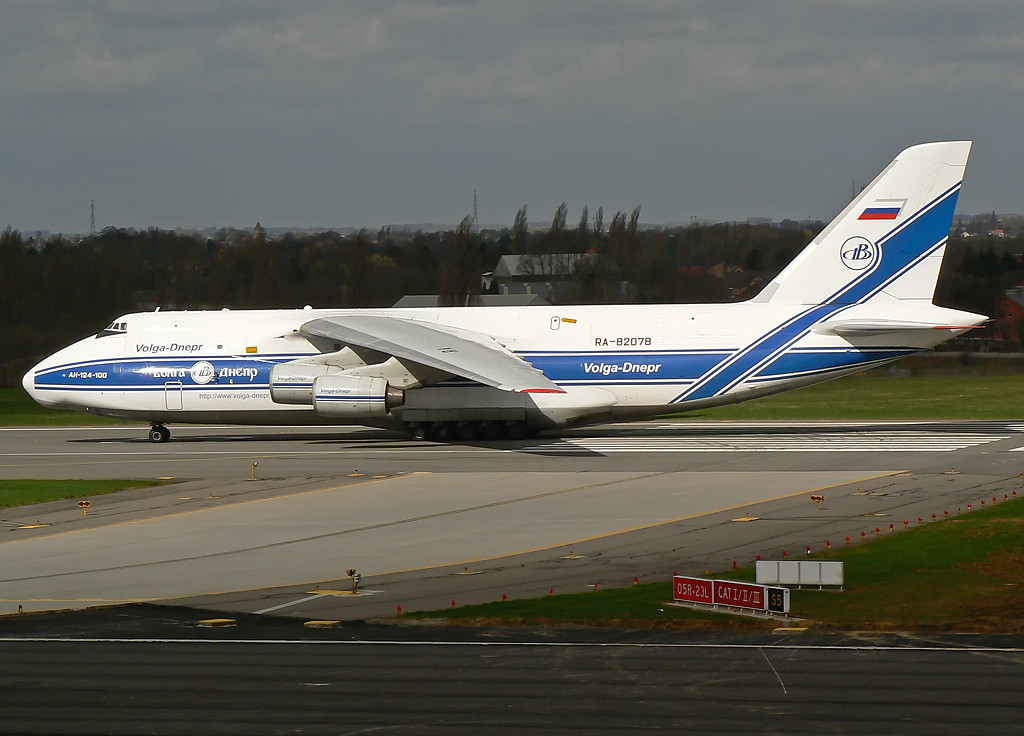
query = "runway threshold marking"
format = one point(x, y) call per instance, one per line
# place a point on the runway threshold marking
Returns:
point(535, 644)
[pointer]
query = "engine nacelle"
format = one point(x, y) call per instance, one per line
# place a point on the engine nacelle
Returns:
point(292, 383)
point(355, 397)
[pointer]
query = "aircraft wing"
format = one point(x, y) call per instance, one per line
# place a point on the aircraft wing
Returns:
point(471, 355)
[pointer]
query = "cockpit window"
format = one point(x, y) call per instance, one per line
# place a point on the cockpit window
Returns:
point(114, 328)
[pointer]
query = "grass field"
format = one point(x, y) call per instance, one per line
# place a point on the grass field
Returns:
point(961, 574)
point(911, 397)
point(23, 492)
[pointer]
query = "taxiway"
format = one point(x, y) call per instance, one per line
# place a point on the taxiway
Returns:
point(430, 523)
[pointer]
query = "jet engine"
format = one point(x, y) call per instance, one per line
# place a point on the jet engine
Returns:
point(356, 398)
point(292, 382)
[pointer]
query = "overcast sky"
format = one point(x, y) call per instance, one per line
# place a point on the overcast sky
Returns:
point(205, 113)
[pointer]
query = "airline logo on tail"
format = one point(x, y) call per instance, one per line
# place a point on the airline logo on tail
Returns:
point(858, 253)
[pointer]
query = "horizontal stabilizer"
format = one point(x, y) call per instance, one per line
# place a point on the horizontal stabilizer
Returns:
point(866, 328)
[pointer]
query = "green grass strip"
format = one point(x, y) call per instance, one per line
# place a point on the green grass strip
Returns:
point(911, 397)
point(961, 574)
point(965, 573)
point(23, 492)
point(17, 409)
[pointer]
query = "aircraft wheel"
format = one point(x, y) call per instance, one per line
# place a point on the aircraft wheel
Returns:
point(490, 431)
point(515, 430)
point(467, 431)
point(444, 432)
point(159, 433)
point(420, 431)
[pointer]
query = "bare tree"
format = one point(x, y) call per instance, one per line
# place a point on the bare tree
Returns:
point(558, 221)
point(599, 222)
point(519, 231)
point(617, 242)
point(583, 230)
point(634, 223)
point(460, 272)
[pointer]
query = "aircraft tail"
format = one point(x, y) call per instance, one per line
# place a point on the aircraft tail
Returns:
point(889, 241)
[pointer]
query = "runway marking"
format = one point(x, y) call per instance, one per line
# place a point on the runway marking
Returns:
point(784, 691)
point(881, 441)
point(321, 594)
point(536, 644)
point(77, 600)
point(290, 603)
point(233, 454)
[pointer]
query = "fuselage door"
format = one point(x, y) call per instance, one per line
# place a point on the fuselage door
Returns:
point(172, 395)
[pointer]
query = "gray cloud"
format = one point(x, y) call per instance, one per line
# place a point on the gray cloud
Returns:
point(202, 113)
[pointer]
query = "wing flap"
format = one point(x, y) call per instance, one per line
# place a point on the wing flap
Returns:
point(463, 353)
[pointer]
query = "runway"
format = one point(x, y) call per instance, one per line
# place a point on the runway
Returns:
point(628, 501)
point(153, 670)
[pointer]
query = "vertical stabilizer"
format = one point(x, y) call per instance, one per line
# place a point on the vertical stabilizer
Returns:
point(888, 242)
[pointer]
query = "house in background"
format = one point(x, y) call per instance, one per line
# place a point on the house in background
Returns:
point(548, 275)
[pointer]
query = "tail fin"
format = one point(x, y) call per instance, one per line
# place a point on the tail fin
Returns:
point(888, 242)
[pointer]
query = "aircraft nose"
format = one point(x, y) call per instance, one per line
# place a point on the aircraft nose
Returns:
point(28, 382)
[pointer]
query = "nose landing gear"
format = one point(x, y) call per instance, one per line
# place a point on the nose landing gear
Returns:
point(159, 433)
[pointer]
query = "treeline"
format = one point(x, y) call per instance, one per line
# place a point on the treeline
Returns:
point(975, 279)
point(54, 292)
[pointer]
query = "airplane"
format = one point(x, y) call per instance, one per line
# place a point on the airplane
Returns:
point(858, 296)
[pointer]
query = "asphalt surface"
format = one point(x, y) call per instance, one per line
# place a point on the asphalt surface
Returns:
point(471, 523)
point(150, 669)
point(427, 524)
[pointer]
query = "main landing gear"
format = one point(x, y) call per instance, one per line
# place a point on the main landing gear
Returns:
point(469, 431)
point(159, 433)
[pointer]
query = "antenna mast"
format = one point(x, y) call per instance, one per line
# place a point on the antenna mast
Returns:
point(476, 220)
point(92, 217)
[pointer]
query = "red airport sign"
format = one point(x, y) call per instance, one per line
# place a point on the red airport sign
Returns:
point(741, 595)
point(692, 590)
point(730, 593)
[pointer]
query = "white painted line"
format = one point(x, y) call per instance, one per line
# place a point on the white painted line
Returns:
point(562, 644)
point(290, 603)
point(784, 690)
point(237, 452)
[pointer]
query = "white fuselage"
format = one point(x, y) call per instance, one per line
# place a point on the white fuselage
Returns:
point(214, 366)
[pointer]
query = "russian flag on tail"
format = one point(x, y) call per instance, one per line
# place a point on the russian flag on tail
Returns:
point(888, 212)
